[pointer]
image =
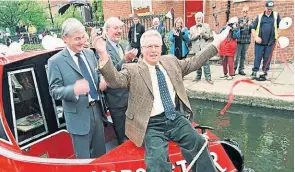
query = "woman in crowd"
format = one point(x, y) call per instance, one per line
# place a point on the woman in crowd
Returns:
point(179, 39)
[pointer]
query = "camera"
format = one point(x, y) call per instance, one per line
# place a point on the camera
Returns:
point(99, 32)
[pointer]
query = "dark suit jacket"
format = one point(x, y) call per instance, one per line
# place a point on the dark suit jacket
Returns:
point(116, 97)
point(136, 77)
point(139, 30)
point(62, 75)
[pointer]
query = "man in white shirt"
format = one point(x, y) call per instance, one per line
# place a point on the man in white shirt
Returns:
point(73, 79)
point(158, 106)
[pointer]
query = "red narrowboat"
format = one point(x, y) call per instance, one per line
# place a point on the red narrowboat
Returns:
point(33, 135)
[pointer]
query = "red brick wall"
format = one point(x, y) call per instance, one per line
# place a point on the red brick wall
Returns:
point(284, 7)
point(120, 8)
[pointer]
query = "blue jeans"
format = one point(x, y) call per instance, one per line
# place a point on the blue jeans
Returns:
point(241, 56)
point(265, 52)
point(207, 73)
point(160, 131)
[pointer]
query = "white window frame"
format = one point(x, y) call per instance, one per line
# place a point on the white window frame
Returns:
point(13, 108)
point(141, 1)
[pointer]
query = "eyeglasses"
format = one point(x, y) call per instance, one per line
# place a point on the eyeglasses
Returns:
point(150, 47)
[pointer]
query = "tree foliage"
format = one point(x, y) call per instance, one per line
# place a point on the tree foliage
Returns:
point(97, 10)
point(25, 11)
point(71, 12)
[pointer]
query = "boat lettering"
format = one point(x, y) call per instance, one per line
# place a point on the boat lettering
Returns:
point(215, 158)
point(182, 164)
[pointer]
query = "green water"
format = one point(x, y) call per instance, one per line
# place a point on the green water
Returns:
point(266, 136)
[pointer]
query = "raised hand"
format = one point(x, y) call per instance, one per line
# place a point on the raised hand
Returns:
point(99, 44)
point(81, 87)
point(218, 38)
point(131, 54)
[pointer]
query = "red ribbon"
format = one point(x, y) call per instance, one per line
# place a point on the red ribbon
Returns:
point(248, 81)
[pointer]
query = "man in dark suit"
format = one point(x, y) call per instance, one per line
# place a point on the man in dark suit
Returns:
point(74, 80)
point(158, 106)
point(134, 34)
point(161, 29)
point(117, 99)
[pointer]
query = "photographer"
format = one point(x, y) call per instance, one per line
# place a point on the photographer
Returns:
point(178, 37)
point(199, 35)
point(228, 48)
point(243, 41)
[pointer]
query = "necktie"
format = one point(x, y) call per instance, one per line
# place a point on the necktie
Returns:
point(93, 93)
point(165, 95)
point(135, 35)
point(120, 51)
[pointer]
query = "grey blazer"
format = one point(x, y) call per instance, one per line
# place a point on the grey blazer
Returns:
point(62, 75)
point(118, 97)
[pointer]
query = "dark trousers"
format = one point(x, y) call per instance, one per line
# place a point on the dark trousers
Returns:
point(241, 56)
point(91, 145)
point(228, 61)
point(160, 130)
point(264, 52)
point(119, 117)
point(207, 72)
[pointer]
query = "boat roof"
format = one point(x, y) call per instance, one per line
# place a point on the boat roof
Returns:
point(25, 55)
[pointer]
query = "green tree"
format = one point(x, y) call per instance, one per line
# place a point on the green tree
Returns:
point(97, 10)
point(14, 12)
point(70, 13)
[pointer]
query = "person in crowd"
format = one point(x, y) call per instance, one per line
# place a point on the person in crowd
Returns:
point(265, 32)
point(243, 41)
point(73, 78)
point(178, 37)
point(228, 48)
point(161, 29)
point(22, 28)
point(32, 31)
point(199, 36)
point(134, 34)
point(158, 108)
point(117, 99)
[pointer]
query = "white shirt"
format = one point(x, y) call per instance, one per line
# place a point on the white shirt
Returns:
point(158, 105)
point(75, 58)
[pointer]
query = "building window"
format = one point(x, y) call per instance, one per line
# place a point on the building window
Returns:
point(141, 6)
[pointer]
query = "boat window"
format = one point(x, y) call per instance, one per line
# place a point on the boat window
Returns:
point(27, 111)
point(58, 109)
point(3, 134)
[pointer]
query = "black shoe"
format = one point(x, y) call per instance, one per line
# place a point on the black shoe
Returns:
point(253, 74)
point(242, 73)
point(264, 73)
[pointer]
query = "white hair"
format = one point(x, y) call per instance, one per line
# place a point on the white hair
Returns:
point(199, 14)
point(112, 21)
point(71, 25)
point(150, 33)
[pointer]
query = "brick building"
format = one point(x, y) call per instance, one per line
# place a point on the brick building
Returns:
point(187, 9)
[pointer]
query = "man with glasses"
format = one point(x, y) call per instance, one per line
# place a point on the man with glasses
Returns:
point(158, 106)
point(117, 99)
point(243, 41)
point(265, 32)
point(199, 34)
point(73, 78)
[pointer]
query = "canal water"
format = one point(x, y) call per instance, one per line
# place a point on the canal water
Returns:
point(266, 136)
